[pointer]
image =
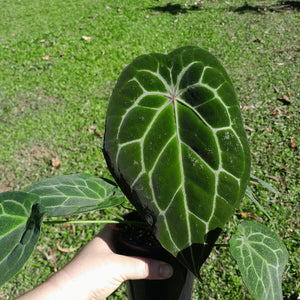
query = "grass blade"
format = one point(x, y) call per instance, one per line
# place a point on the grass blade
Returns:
point(252, 198)
point(264, 184)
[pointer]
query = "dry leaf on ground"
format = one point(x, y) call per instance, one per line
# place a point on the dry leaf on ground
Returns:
point(249, 128)
point(47, 57)
point(86, 38)
point(55, 163)
point(285, 100)
point(293, 143)
point(65, 250)
point(247, 107)
point(250, 215)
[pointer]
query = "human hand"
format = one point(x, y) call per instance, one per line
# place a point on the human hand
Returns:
point(96, 271)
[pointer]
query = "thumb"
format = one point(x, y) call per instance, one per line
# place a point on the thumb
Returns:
point(144, 268)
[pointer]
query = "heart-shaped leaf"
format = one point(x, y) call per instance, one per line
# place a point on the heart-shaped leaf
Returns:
point(20, 220)
point(72, 194)
point(175, 143)
point(261, 257)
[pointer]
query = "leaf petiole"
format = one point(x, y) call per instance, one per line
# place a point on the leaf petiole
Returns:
point(82, 222)
point(141, 224)
point(221, 245)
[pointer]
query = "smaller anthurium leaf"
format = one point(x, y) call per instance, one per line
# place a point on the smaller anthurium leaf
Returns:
point(261, 257)
point(73, 194)
point(20, 221)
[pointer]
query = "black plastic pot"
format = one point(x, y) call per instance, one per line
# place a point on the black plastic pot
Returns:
point(134, 240)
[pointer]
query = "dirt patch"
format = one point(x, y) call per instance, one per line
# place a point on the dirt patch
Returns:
point(4, 187)
point(32, 101)
point(35, 159)
point(28, 165)
point(37, 152)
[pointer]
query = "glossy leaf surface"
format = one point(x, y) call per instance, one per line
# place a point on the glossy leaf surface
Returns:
point(175, 143)
point(20, 220)
point(261, 257)
point(72, 194)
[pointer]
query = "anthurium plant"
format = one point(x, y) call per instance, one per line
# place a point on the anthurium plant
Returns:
point(176, 146)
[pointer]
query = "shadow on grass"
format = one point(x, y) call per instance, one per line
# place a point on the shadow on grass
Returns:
point(279, 7)
point(175, 9)
point(293, 297)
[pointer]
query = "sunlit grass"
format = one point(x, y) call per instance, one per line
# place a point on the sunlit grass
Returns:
point(55, 86)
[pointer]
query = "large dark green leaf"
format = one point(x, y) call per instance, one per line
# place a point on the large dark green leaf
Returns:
point(72, 194)
point(261, 257)
point(20, 220)
point(175, 143)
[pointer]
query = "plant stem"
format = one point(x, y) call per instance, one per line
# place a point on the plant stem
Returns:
point(83, 222)
point(141, 224)
point(221, 245)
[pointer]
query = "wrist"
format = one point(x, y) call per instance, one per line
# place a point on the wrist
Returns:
point(49, 290)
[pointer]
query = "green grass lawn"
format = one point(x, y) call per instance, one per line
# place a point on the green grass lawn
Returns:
point(59, 61)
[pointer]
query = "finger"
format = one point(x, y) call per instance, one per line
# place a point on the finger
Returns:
point(144, 268)
point(159, 270)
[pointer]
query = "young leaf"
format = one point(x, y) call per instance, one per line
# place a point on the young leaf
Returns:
point(72, 194)
point(20, 220)
point(175, 144)
point(261, 257)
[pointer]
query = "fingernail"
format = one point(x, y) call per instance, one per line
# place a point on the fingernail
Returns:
point(165, 271)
